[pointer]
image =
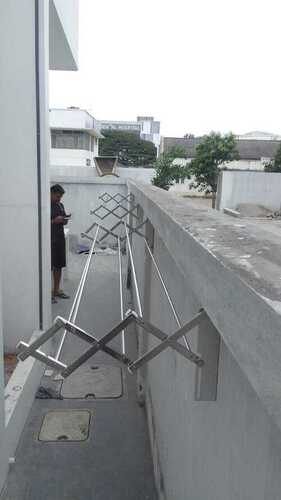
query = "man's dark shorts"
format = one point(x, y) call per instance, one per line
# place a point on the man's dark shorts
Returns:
point(58, 253)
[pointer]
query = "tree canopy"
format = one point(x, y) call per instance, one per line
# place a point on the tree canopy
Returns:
point(167, 171)
point(214, 150)
point(274, 165)
point(128, 147)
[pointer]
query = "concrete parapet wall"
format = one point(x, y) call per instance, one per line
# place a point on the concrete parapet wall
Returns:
point(259, 188)
point(230, 447)
point(82, 195)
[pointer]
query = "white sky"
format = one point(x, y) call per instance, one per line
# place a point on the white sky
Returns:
point(195, 65)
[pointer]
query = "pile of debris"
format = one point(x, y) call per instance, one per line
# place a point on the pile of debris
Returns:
point(275, 215)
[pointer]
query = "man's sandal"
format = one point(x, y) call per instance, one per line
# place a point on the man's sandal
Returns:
point(62, 295)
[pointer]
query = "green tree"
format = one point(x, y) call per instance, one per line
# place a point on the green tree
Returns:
point(167, 171)
point(214, 150)
point(275, 164)
point(128, 147)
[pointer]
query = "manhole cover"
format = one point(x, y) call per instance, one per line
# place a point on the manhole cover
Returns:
point(93, 382)
point(65, 425)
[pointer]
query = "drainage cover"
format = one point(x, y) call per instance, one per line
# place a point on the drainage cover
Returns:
point(65, 425)
point(93, 382)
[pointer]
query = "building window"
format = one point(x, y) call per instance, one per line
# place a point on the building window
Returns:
point(69, 139)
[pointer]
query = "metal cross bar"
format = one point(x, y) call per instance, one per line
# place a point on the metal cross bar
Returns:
point(106, 197)
point(99, 345)
point(113, 212)
point(131, 317)
point(146, 325)
point(75, 330)
point(27, 350)
point(170, 341)
point(40, 340)
point(41, 356)
point(167, 341)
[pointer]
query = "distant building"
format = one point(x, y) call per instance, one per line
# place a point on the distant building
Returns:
point(145, 126)
point(74, 137)
point(253, 153)
point(259, 136)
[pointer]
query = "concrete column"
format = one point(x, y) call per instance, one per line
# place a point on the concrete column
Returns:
point(24, 175)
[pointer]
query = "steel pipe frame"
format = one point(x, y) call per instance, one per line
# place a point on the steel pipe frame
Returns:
point(133, 271)
point(79, 292)
point(161, 280)
point(121, 295)
point(166, 293)
point(166, 340)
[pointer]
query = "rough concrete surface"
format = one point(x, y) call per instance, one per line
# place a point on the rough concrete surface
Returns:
point(228, 448)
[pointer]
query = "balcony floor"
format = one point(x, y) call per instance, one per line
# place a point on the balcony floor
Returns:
point(115, 461)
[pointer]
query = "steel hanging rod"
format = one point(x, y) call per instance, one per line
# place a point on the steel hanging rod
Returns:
point(133, 271)
point(121, 296)
point(78, 295)
point(166, 293)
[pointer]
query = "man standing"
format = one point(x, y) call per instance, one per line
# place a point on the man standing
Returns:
point(58, 220)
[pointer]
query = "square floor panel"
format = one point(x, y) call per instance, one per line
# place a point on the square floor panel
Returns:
point(93, 382)
point(65, 425)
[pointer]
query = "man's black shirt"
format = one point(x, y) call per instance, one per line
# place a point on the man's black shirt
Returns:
point(57, 232)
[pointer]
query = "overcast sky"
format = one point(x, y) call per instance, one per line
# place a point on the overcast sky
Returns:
point(195, 65)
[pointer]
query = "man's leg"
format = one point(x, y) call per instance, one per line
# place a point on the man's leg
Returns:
point(57, 278)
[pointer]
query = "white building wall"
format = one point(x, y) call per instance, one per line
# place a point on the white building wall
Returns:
point(4, 457)
point(70, 118)
point(68, 14)
point(63, 46)
point(260, 188)
point(138, 174)
point(24, 198)
point(71, 157)
point(19, 210)
point(245, 165)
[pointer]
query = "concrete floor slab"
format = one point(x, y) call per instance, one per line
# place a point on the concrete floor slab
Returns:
point(93, 381)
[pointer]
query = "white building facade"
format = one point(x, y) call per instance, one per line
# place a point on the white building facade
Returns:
point(35, 36)
point(74, 138)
